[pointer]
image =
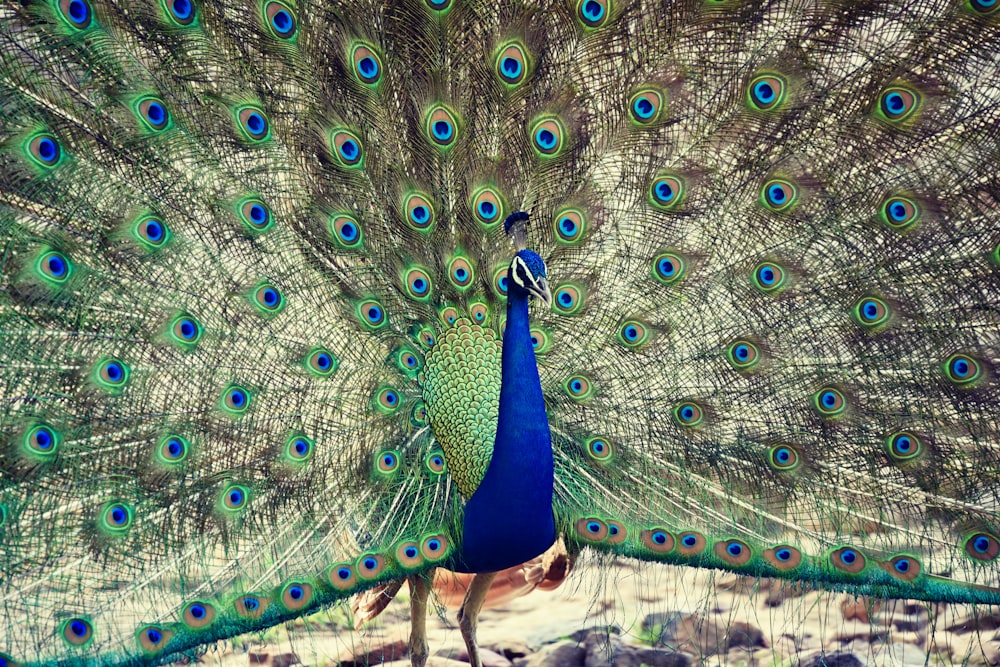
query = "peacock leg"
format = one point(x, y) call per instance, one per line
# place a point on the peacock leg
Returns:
point(468, 615)
point(420, 590)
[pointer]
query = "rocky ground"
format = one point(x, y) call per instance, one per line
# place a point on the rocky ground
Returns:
point(631, 615)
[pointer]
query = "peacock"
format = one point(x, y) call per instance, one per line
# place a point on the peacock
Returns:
point(302, 299)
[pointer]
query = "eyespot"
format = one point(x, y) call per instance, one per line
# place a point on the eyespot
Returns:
point(569, 225)
point(592, 529)
point(441, 127)
point(500, 282)
point(633, 333)
point(346, 231)
point(488, 206)
point(185, 331)
point(235, 400)
point(198, 614)
point(779, 195)
point(44, 150)
point(426, 337)
point(904, 446)
point(408, 361)
point(77, 13)
point(153, 639)
point(646, 106)
point(982, 546)
point(593, 13)
point(116, 518)
point(617, 533)
point(479, 312)
point(408, 555)
point(251, 605)
point(371, 314)
point(449, 315)
point(418, 415)
point(387, 462)
point(181, 12)
point(511, 64)
point(346, 148)
point(234, 498)
point(666, 192)
point(152, 112)
point(733, 552)
point(280, 20)
point(983, 6)
point(900, 213)
point(296, 595)
point(151, 232)
point(578, 387)
point(54, 267)
point(386, 400)
point(688, 414)
point(172, 450)
point(769, 278)
point(111, 374)
point(299, 449)
point(848, 560)
point(766, 92)
point(321, 362)
point(367, 65)
point(668, 268)
point(548, 136)
point(541, 341)
point(599, 449)
point(871, 313)
point(440, 6)
point(267, 299)
point(254, 214)
point(370, 566)
point(436, 463)
point(77, 631)
point(435, 547)
point(657, 540)
point(418, 284)
point(419, 212)
point(783, 458)
point(41, 441)
point(460, 272)
point(743, 355)
point(829, 402)
point(962, 370)
point(783, 557)
point(902, 567)
point(690, 543)
point(342, 576)
point(568, 298)
point(253, 123)
point(897, 103)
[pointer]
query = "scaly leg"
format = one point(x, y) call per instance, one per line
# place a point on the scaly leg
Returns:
point(420, 590)
point(468, 615)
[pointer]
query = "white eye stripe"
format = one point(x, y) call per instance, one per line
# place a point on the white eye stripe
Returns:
point(519, 271)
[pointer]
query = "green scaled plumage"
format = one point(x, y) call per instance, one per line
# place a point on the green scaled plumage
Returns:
point(234, 236)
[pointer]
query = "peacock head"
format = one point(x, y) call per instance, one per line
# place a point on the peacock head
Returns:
point(527, 273)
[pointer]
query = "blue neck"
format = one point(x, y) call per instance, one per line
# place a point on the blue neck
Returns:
point(508, 520)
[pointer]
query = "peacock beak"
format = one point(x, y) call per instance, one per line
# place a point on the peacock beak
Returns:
point(542, 291)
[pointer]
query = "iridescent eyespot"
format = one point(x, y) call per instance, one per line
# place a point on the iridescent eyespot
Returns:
point(235, 400)
point(54, 267)
point(982, 546)
point(897, 103)
point(829, 402)
point(41, 441)
point(418, 211)
point(690, 543)
point(426, 337)
point(408, 361)
point(578, 387)
point(441, 126)
point(488, 206)
point(418, 414)
point(387, 462)
point(198, 614)
point(743, 355)
point(766, 92)
point(461, 272)
point(111, 374)
point(646, 106)
point(900, 213)
point(250, 606)
point(599, 449)
point(253, 123)
point(116, 518)
point(172, 450)
point(436, 463)
point(417, 283)
point(346, 231)
point(593, 13)
point(666, 192)
point(904, 446)
point(617, 532)
point(688, 414)
point(386, 400)
point(280, 20)
point(342, 576)
point(435, 547)
point(962, 370)
point(408, 555)
point(367, 64)
point(151, 232)
point(448, 315)
point(779, 195)
point(44, 150)
point(733, 552)
point(234, 498)
point(479, 312)
point(439, 5)
point(77, 13)
point(511, 64)
point(668, 268)
point(568, 298)
point(657, 540)
point(371, 314)
point(548, 136)
point(569, 225)
point(254, 214)
point(369, 566)
point(346, 148)
point(181, 12)
point(983, 6)
point(902, 567)
point(541, 340)
point(592, 529)
point(299, 449)
point(871, 312)
point(153, 639)
point(633, 333)
point(77, 631)
point(152, 112)
point(321, 362)
point(848, 560)
point(769, 278)
point(296, 595)
point(500, 282)
point(783, 557)
point(783, 457)
point(267, 299)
